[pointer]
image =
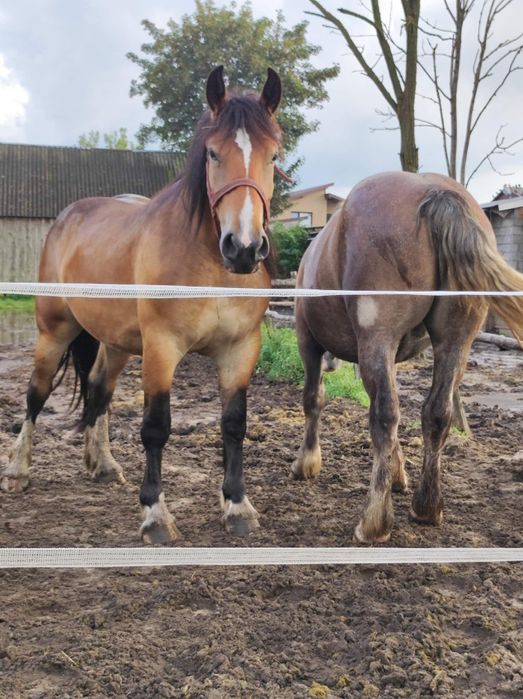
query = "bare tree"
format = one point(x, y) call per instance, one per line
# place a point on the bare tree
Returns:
point(400, 62)
point(494, 61)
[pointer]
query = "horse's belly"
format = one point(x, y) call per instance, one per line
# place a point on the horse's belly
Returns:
point(330, 325)
point(111, 321)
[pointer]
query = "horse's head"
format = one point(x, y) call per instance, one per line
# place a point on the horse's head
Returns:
point(241, 146)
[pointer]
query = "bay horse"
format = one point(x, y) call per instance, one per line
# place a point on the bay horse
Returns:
point(399, 231)
point(208, 228)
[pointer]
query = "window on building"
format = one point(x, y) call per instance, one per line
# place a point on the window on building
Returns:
point(304, 218)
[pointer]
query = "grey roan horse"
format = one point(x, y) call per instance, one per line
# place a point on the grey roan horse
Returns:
point(399, 231)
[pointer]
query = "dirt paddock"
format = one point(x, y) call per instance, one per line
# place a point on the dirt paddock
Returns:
point(399, 631)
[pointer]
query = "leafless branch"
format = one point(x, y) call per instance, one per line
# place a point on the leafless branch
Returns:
point(358, 54)
point(498, 148)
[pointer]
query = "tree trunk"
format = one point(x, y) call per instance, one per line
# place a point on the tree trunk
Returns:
point(409, 151)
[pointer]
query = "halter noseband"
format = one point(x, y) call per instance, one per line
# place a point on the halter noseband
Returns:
point(216, 197)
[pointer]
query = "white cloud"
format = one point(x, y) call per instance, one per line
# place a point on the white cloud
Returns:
point(14, 98)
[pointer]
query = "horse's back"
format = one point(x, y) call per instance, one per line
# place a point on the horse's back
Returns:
point(88, 233)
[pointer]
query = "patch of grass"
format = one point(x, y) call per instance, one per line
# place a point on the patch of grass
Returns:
point(280, 359)
point(458, 432)
point(17, 304)
point(343, 383)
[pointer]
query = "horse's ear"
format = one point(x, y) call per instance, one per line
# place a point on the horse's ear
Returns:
point(271, 93)
point(215, 90)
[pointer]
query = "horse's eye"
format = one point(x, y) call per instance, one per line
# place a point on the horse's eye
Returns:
point(212, 155)
point(274, 158)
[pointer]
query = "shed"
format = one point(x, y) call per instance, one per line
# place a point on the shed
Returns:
point(37, 182)
point(505, 213)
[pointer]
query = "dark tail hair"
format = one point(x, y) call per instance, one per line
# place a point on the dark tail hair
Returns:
point(468, 259)
point(82, 351)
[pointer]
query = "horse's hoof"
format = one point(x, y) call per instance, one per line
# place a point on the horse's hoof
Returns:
point(400, 487)
point(158, 533)
point(108, 474)
point(239, 518)
point(240, 526)
point(360, 538)
point(434, 519)
point(158, 526)
point(14, 484)
point(307, 465)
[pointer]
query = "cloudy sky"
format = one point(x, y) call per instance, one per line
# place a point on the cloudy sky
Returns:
point(63, 72)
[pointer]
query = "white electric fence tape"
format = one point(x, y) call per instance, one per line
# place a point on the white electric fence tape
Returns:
point(153, 291)
point(264, 556)
point(194, 556)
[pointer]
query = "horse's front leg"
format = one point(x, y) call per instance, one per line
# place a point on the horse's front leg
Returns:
point(160, 358)
point(235, 366)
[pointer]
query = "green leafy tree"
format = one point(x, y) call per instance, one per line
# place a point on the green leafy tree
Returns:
point(177, 61)
point(116, 140)
point(290, 243)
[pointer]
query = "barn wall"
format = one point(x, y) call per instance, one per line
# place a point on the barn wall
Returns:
point(21, 241)
point(509, 238)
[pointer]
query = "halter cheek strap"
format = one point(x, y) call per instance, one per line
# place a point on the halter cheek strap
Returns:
point(216, 197)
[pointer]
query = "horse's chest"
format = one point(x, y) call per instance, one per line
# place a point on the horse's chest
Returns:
point(229, 320)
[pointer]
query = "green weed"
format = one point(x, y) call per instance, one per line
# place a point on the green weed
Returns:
point(280, 359)
point(17, 304)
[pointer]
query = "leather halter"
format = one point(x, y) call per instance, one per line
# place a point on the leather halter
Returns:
point(216, 197)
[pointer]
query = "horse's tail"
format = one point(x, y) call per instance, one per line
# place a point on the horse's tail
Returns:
point(82, 351)
point(468, 259)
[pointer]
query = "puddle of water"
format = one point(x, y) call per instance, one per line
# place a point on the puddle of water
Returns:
point(17, 328)
point(505, 401)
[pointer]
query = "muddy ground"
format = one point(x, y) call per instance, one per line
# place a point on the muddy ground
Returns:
point(399, 631)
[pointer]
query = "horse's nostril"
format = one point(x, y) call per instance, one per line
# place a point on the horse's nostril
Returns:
point(229, 246)
point(263, 248)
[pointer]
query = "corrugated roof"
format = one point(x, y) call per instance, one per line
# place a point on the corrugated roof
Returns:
point(40, 181)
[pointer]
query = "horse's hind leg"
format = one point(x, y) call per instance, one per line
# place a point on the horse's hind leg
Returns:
point(102, 380)
point(50, 348)
point(308, 462)
point(452, 330)
point(378, 374)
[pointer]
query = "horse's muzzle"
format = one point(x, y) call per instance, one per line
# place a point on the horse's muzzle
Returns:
point(240, 258)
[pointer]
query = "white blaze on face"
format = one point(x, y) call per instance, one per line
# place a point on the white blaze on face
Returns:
point(243, 142)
